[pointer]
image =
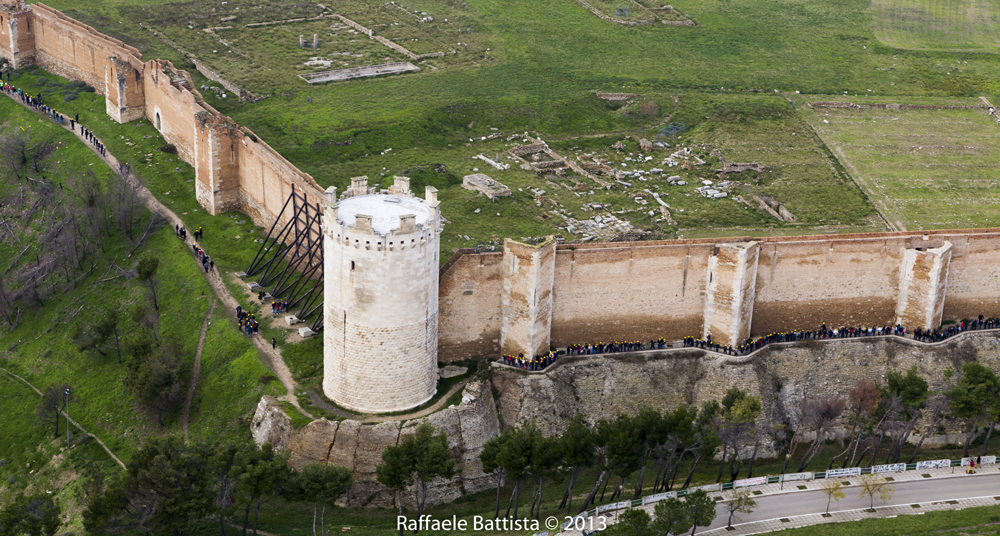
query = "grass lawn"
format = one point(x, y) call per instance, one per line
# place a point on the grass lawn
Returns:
point(543, 64)
point(924, 169)
point(967, 522)
point(940, 25)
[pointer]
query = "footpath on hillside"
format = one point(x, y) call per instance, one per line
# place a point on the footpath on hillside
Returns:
point(71, 421)
point(271, 357)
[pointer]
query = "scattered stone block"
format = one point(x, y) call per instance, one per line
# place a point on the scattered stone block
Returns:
point(291, 320)
point(241, 275)
point(482, 183)
point(305, 333)
point(253, 285)
point(451, 371)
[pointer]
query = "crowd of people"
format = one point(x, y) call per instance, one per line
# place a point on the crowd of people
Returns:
point(539, 362)
point(614, 347)
point(279, 307)
point(247, 322)
point(940, 335)
point(752, 345)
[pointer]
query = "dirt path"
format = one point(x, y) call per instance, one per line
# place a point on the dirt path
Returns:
point(422, 413)
point(197, 369)
point(74, 423)
point(271, 357)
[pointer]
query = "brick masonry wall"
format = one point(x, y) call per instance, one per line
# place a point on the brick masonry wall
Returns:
point(643, 290)
point(74, 50)
point(469, 298)
point(17, 42)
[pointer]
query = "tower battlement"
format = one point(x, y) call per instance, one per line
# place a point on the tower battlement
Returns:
point(386, 215)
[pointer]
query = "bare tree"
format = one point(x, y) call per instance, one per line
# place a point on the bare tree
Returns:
point(863, 399)
point(49, 408)
point(23, 149)
point(127, 207)
point(819, 415)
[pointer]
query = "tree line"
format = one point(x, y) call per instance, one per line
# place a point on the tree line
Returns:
point(169, 486)
point(58, 225)
point(732, 432)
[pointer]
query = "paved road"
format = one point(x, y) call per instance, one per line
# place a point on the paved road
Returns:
point(812, 502)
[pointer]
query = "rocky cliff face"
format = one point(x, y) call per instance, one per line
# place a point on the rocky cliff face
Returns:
point(602, 387)
point(271, 424)
point(359, 446)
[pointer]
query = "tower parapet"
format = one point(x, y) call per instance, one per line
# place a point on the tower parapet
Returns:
point(381, 297)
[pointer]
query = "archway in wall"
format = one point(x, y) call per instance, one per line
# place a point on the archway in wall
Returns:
point(158, 121)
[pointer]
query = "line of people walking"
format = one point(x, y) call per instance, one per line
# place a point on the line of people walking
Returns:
point(752, 345)
point(36, 103)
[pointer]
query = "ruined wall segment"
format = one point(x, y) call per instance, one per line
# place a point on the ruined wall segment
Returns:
point(17, 42)
point(526, 300)
point(729, 296)
point(923, 281)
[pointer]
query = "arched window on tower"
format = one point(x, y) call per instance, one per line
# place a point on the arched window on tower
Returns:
point(158, 126)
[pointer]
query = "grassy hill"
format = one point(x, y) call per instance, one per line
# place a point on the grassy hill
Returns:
point(40, 347)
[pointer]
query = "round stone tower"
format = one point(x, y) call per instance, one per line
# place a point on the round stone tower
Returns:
point(381, 297)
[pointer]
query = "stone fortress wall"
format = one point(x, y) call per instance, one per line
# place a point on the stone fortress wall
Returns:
point(235, 170)
point(628, 291)
point(380, 297)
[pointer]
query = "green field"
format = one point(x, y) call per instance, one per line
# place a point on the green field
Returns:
point(924, 169)
point(946, 25)
point(529, 67)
